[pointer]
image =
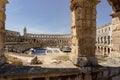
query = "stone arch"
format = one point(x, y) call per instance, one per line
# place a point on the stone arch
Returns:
point(81, 25)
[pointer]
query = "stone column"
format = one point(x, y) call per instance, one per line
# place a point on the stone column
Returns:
point(116, 31)
point(83, 29)
point(115, 24)
point(2, 30)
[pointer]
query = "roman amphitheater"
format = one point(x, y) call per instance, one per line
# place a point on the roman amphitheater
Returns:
point(103, 39)
point(81, 63)
point(47, 40)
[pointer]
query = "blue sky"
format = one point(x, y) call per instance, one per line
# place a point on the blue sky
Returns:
point(47, 16)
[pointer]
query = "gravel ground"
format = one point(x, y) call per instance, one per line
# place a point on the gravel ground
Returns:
point(49, 60)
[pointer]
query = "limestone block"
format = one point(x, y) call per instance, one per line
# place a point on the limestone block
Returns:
point(2, 29)
point(105, 73)
point(116, 77)
point(116, 33)
point(87, 61)
point(79, 24)
point(73, 18)
point(84, 31)
point(88, 77)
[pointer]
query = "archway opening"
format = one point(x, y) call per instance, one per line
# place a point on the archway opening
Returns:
point(103, 13)
point(50, 21)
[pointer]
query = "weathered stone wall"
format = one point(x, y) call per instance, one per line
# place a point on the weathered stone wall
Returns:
point(38, 73)
point(116, 24)
point(83, 45)
point(83, 30)
point(116, 31)
point(2, 29)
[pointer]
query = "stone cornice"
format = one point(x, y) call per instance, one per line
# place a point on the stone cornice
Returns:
point(115, 5)
point(76, 3)
point(116, 14)
point(3, 1)
point(73, 4)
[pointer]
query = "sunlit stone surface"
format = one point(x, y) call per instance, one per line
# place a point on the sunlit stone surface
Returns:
point(116, 24)
point(83, 31)
point(2, 29)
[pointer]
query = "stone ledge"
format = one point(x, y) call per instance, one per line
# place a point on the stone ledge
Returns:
point(96, 73)
point(87, 61)
point(9, 70)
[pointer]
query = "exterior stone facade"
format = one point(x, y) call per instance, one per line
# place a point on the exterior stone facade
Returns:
point(104, 40)
point(2, 29)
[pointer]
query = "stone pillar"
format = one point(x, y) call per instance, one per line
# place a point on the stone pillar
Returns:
point(116, 31)
point(83, 29)
point(2, 29)
point(115, 24)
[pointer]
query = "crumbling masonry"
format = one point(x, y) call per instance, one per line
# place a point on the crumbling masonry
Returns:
point(83, 48)
point(83, 31)
point(2, 29)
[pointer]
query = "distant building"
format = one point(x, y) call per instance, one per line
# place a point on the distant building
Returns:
point(24, 31)
point(51, 39)
point(12, 36)
point(104, 39)
point(14, 40)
